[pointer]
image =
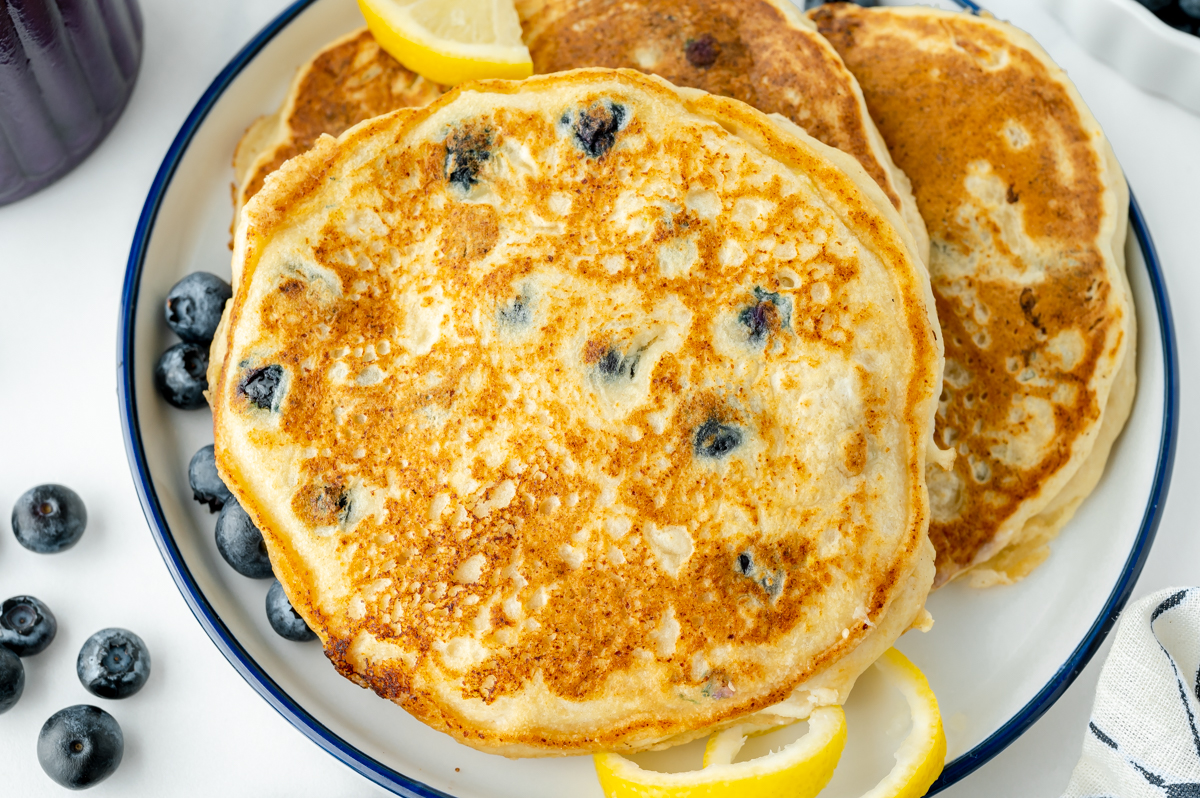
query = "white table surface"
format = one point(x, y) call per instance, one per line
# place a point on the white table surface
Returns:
point(197, 728)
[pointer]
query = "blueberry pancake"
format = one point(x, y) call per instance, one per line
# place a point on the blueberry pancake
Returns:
point(349, 80)
point(1026, 208)
point(762, 52)
point(583, 413)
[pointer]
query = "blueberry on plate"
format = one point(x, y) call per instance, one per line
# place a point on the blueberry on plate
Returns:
point(193, 307)
point(284, 618)
point(26, 625)
point(49, 519)
point(207, 486)
point(113, 663)
point(240, 542)
point(12, 679)
point(80, 746)
point(181, 375)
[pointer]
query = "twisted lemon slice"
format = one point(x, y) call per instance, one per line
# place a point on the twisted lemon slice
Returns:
point(799, 770)
point(803, 768)
point(451, 41)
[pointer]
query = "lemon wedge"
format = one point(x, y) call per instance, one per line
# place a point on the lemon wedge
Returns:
point(803, 768)
point(922, 755)
point(451, 41)
point(799, 770)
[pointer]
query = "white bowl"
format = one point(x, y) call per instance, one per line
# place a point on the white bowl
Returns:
point(1125, 35)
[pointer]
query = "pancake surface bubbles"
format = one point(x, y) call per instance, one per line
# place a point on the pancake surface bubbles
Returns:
point(1026, 211)
point(581, 412)
point(762, 52)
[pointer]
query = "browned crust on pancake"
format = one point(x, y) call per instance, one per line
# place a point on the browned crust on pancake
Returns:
point(759, 57)
point(352, 80)
point(298, 182)
point(938, 115)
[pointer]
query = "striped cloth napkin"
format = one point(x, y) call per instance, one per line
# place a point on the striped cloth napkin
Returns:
point(1143, 740)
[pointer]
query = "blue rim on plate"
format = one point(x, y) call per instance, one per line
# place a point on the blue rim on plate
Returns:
point(397, 782)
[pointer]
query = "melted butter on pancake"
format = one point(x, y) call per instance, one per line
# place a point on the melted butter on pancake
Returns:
point(1026, 219)
point(523, 489)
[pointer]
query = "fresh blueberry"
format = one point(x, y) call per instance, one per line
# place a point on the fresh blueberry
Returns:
point(180, 375)
point(240, 542)
point(12, 679)
point(80, 746)
point(1190, 7)
point(49, 518)
point(284, 618)
point(194, 305)
point(26, 625)
point(113, 663)
point(261, 386)
point(207, 486)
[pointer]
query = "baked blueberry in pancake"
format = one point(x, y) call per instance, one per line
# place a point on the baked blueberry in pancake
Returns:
point(584, 413)
point(762, 52)
point(1026, 208)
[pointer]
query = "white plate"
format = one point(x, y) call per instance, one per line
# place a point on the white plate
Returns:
point(996, 658)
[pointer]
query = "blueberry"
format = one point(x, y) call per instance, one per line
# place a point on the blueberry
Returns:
point(113, 663)
point(26, 625)
point(49, 519)
point(207, 486)
point(770, 312)
point(1190, 7)
point(12, 679)
point(261, 386)
point(284, 618)
point(714, 439)
point(194, 305)
point(240, 542)
point(80, 746)
point(467, 149)
point(596, 128)
point(1155, 5)
point(702, 52)
point(180, 375)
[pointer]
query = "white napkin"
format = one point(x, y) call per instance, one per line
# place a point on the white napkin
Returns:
point(1144, 736)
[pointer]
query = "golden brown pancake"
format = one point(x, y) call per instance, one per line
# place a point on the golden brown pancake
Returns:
point(349, 80)
point(583, 413)
point(762, 52)
point(1026, 211)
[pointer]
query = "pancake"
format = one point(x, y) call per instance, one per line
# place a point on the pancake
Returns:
point(349, 80)
point(762, 52)
point(1026, 209)
point(583, 413)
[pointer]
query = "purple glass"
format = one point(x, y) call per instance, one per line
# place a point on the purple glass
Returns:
point(67, 68)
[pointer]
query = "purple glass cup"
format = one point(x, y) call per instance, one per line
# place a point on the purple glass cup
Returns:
point(67, 68)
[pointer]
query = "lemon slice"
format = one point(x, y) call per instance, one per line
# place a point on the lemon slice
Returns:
point(799, 770)
point(802, 769)
point(922, 755)
point(451, 41)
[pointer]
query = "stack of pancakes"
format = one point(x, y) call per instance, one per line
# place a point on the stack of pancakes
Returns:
point(598, 412)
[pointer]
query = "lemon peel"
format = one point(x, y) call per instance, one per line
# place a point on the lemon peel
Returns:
point(922, 755)
point(451, 41)
point(799, 770)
